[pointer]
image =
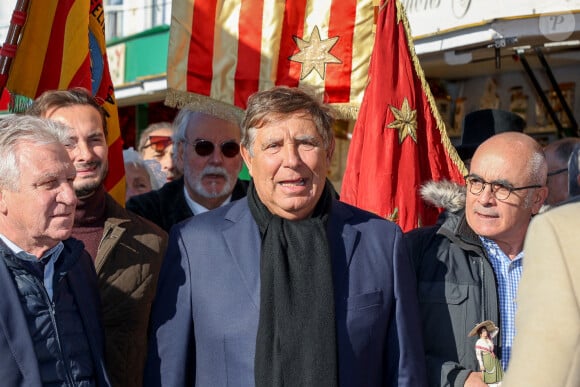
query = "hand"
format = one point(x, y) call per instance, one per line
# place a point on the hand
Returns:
point(475, 379)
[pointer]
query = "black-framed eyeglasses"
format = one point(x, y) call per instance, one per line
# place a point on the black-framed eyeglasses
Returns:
point(501, 191)
point(204, 148)
point(557, 171)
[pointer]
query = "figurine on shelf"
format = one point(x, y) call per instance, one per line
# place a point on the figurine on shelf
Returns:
point(489, 364)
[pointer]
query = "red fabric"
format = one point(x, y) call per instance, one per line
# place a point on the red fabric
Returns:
point(229, 51)
point(200, 57)
point(383, 175)
point(293, 21)
point(247, 76)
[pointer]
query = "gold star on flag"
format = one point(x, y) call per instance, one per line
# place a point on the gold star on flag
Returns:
point(405, 121)
point(314, 54)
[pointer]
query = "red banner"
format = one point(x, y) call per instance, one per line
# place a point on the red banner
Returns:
point(399, 140)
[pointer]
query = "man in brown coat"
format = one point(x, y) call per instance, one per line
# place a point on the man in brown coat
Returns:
point(127, 250)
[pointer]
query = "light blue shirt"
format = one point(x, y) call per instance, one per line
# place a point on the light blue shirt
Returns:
point(508, 273)
point(54, 253)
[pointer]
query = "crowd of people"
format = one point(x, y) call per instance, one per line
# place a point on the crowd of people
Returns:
point(205, 279)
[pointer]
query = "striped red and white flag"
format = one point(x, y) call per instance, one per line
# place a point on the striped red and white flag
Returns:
point(225, 50)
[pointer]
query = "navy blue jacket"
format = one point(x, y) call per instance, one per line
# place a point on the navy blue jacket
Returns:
point(18, 364)
point(205, 317)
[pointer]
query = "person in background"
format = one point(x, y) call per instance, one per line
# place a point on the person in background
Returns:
point(288, 286)
point(208, 153)
point(546, 348)
point(557, 156)
point(573, 176)
point(141, 176)
point(468, 267)
point(51, 331)
point(127, 250)
point(156, 143)
point(477, 127)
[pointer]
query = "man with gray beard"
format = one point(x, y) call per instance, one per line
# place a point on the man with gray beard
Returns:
point(208, 153)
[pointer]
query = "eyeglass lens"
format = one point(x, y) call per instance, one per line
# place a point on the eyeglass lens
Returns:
point(159, 143)
point(205, 148)
point(476, 187)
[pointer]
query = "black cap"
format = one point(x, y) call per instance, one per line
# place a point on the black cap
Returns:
point(480, 125)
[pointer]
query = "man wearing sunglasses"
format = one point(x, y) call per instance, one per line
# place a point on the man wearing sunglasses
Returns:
point(208, 153)
point(156, 143)
point(468, 268)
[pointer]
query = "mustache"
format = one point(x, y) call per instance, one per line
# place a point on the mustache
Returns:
point(484, 211)
point(214, 170)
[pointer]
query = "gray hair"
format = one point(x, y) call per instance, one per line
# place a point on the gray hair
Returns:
point(180, 124)
point(563, 147)
point(131, 156)
point(538, 172)
point(269, 105)
point(538, 168)
point(573, 172)
point(23, 129)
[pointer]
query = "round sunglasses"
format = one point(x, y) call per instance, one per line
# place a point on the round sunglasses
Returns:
point(204, 148)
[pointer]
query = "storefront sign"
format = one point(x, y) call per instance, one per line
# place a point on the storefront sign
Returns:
point(428, 17)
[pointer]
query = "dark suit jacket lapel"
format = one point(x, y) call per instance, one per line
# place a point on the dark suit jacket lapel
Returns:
point(179, 210)
point(342, 238)
point(244, 244)
point(14, 327)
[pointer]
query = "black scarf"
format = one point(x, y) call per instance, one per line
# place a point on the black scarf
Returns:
point(296, 342)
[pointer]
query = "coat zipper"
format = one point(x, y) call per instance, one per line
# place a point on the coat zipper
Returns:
point(52, 311)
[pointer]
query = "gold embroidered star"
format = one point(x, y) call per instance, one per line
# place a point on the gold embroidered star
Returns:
point(405, 121)
point(314, 54)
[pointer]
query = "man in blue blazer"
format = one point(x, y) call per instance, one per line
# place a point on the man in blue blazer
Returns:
point(288, 286)
point(50, 316)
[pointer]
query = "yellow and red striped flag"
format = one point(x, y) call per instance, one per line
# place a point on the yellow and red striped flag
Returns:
point(63, 46)
point(399, 140)
point(222, 51)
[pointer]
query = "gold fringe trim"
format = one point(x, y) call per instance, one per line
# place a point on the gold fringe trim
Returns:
point(345, 111)
point(402, 16)
point(182, 99)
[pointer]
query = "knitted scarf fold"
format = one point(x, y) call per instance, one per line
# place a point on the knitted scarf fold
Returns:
point(296, 342)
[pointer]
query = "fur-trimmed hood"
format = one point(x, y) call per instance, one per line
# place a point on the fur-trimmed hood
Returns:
point(444, 194)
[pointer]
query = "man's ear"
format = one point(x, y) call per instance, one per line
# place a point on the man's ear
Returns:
point(247, 158)
point(539, 198)
point(3, 206)
point(330, 150)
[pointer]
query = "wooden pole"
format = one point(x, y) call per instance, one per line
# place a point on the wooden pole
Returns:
point(8, 50)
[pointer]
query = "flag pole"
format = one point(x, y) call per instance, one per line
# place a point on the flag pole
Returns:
point(8, 49)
